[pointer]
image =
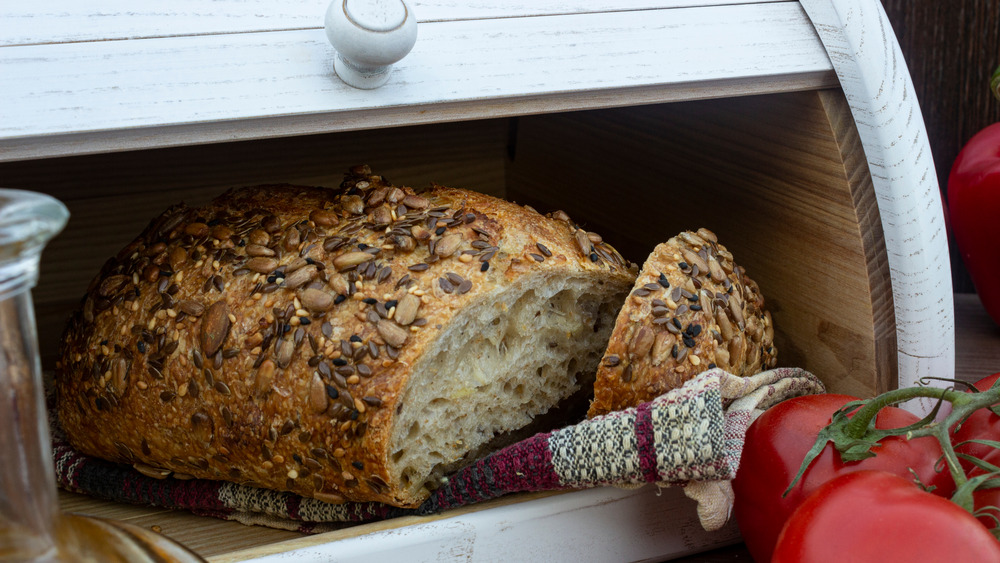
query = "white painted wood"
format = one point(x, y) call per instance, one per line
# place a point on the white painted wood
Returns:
point(117, 95)
point(63, 21)
point(594, 525)
point(875, 79)
point(369, 36)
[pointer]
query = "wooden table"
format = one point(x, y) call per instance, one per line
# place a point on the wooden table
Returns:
point(977, 351)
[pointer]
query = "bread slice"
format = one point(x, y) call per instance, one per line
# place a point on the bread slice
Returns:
point(345, 344)
point(691, 309)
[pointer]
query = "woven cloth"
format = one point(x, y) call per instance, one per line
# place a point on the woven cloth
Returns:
point(691, 436)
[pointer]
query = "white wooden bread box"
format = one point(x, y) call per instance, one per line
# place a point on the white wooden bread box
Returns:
point(790, 128)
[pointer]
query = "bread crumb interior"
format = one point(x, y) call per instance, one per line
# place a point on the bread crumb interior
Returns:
point(495, 367)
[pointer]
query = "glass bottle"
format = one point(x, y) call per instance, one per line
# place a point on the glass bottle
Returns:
point(32, 528)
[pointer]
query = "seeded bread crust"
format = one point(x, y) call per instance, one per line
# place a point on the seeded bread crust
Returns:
point(691, 309)
point(268, 338)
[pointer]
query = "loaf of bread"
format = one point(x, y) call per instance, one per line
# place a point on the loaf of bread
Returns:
point(691, 309)
point(344, 344)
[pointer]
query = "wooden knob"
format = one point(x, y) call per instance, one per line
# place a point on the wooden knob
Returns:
point(369, 36)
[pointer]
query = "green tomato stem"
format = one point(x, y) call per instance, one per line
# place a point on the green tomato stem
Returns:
point(940, 432)
point(859, 423)
point(861, 427)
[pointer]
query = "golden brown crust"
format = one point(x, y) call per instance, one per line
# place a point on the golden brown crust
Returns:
point(691, 309)
point(265, 338)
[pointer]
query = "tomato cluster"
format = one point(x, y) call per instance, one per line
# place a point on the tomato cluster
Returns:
point(888, 505)
point(983, 425)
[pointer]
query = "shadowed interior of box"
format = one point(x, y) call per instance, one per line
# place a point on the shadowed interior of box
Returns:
point(782, 180)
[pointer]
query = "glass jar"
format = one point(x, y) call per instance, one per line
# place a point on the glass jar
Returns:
point(32, 528)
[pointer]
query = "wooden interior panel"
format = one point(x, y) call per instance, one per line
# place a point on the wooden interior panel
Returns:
point(112, 197)
point(781, 179)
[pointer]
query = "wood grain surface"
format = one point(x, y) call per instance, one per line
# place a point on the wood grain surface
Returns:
point(66, 21)
point(794, 206)
point(93, 96)
point(951, 48)
point(875, 81)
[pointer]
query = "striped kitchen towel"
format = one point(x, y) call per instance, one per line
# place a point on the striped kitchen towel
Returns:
point(691, 436)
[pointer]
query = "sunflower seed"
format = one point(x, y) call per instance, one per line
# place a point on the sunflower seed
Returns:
point(214, 327)
point(257, 250)
point(190, 307)
point(301, 276)
point(316, 300)
point(351, 259)
point(583, 241)
point(284, 350)
point(415, 202)
point(197, 230)
point(725, 327)
point(393, 334)
point(318, 400)
point(323, 218)
point(112, 284)
point(642, 342)
point(447, 245)
point(264, 378)
point(352, 204)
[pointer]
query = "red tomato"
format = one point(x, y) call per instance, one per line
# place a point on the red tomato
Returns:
point(981, 424)
point(878, 516)
point(987, 505)
point(985, 425)
point(776, 444)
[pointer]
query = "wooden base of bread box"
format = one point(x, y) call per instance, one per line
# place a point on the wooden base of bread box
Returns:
point(597, 524)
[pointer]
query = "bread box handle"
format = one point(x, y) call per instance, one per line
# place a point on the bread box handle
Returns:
point(369, 36)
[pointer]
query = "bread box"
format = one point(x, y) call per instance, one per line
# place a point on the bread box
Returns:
point(788, 128)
